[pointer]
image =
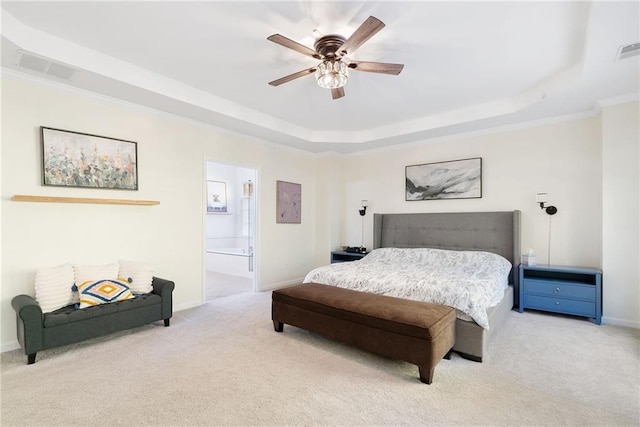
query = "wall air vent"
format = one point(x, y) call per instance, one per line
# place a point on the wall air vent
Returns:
point(628, 51)
point(42, 65)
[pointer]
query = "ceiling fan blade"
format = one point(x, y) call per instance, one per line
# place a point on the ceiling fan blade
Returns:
point(293, 76)
point(364, 32)
point(376, 67)
point(286, 42)
point(337, 93)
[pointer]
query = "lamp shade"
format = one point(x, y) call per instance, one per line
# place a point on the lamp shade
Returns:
point(332, 74)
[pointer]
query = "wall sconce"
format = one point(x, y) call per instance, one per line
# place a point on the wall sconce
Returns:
point(364, 205)
point(247, 189)
point(541, 198)
point(363, 211)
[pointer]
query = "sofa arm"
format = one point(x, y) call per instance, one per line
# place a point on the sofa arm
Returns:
point(164, 288)
point(29, 320)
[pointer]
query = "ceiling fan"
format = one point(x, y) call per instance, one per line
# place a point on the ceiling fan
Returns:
point(332, 50)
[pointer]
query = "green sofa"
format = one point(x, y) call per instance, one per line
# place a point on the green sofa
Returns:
point(38, 331)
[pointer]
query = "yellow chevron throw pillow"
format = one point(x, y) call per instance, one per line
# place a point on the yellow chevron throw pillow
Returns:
point(95, 292)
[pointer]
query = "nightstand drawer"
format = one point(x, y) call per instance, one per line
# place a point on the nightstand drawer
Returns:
point(560, 289)
point(560, 305)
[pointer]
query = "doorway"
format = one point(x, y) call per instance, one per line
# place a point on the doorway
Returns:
point(230, 230)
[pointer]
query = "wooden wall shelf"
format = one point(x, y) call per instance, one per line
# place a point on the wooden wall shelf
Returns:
point(50, 199)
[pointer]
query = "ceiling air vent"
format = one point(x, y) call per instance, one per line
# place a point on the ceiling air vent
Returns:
point(628, 51)
point(45, 66)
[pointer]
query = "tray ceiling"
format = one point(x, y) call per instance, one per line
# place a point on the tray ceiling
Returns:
point(468, 65)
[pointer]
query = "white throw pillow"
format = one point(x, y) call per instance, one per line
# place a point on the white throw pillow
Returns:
point(85, 273)
point(138, 274)
point(53, 287)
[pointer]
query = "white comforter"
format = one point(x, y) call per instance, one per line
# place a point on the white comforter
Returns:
point(469, 281)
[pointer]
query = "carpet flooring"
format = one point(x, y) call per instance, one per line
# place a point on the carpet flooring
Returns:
point(222, 364)
point(220, 285)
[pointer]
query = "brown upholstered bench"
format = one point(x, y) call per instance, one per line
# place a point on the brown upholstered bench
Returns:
point(416, 332)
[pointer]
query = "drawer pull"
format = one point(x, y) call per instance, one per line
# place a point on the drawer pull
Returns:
point(557, 302)
point(557, 291)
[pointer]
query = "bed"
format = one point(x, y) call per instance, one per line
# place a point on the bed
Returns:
point(493, 232)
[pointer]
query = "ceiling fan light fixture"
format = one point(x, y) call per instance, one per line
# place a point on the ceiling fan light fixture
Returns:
point(332, 74)
point(333, 49)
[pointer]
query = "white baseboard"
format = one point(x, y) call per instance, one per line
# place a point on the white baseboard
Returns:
point(279, 285)
point(620, 322)
point(9, 346)
point(187, 306)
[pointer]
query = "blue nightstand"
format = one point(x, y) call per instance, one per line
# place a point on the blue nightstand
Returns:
point(343, 256)
point(568, 290)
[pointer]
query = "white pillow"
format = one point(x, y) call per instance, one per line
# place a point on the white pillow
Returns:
point(139, 275)
point(53, 287)
point(85, 273)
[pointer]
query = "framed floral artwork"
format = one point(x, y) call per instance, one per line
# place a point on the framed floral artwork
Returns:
point(75, 159)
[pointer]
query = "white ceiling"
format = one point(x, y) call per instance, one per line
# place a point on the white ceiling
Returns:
point(468, 65)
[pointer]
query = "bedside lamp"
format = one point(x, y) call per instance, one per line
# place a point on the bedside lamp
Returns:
point(363, 211)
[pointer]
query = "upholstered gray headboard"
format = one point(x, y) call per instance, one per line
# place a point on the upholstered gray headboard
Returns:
point(497, 232)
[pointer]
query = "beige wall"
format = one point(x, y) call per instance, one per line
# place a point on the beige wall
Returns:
point(578, 162)
point(330, 207)
point(589, 168)
point(562, 159)
point(172, 154)
point(621, 212)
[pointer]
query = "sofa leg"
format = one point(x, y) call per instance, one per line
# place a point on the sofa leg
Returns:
point(278, 326)
point(426, 375)
point(448, 355)
point(31, 358)
point(166, 322)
